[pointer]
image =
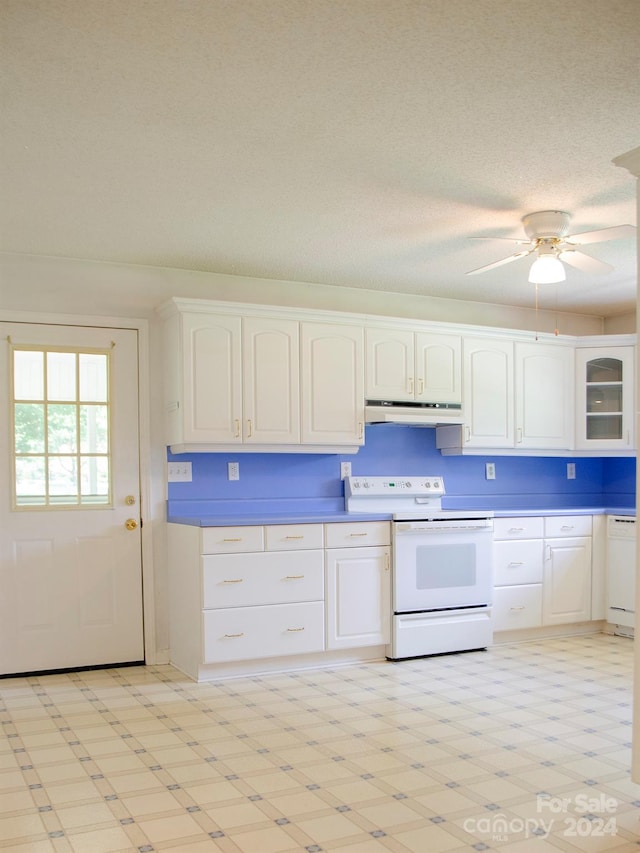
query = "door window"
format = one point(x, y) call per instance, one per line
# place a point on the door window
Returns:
point(61, 427)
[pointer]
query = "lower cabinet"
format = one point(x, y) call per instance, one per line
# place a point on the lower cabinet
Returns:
point(254, 592)
point(542, 571)
point(358, 584)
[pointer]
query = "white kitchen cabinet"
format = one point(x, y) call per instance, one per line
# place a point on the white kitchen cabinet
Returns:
point(232, 380)
point(358, 585)
point(518, 395)
point(544, 383)
point(271, 381)
point(605, 398)
point(567, 570)
point(518, 573)
point(242, 593)
point(542, 571)
point(404, 366)
point(332, 374)
point(488, 393)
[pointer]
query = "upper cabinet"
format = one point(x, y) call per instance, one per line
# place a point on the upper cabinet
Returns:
point(406, 366)
point(488, 393)
point(544, 395)
point(604, 398)
point(262, 382)
point(332, 370)
point(235, 380)
point(517, 395)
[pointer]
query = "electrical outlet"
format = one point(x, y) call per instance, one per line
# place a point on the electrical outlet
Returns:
point(179, 472)
point(345, 470)
point(490, 470)
point(233, 470)
point(571, 470)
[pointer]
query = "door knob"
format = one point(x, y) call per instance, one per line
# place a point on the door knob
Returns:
point(131, 524)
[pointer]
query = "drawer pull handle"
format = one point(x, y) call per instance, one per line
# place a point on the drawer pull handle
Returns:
point(518, 608)
point(238, 539)
point(567, 527)
point(516, 529)
point(232, 636)
point(294, 577)
point(293, 630)
point(234, 580)
point(294, 537)
point(515, 563)
point(358, 534)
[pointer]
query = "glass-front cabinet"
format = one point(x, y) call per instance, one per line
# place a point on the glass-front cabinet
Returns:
point(604, 387)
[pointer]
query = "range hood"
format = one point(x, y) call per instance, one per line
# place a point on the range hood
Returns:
point(414, 414)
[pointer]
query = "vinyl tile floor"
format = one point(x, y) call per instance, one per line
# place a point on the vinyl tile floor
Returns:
point(522, 748)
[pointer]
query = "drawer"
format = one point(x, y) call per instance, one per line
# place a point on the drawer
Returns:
point(283, 537)
point(271, 577)
point(227, 540)
point(245, 633)
point(518, 528)
point(516, 607)
point(567, 525)
point(356, 534)
point(518, 561)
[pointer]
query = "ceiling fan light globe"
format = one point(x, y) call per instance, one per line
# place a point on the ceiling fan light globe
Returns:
point(547, 269)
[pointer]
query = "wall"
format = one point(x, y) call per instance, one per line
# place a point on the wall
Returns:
point(308, 483)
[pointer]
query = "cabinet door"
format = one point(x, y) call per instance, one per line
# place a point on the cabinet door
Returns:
point(271, 381)
point(604, 398)
point(488, 384)
point(332, 384)
point(358, 597)
point(211, 378)
point(438, 368)
point(567, 581)
point(390, 371)
point(544, 396)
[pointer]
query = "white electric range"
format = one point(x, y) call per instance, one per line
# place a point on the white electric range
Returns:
point(442, 578)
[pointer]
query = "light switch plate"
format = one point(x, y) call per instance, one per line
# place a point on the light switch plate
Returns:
point(179, 472)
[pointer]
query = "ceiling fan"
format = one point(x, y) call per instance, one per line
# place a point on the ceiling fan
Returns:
point(548, 236)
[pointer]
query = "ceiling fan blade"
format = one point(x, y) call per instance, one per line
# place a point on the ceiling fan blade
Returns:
point(501, 262)
point(507, 239)
point(585, 263)
point(616, 232)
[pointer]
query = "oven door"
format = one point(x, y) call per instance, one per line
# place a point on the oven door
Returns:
point(442, 564)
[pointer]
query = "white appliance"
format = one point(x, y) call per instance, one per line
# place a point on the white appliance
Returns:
point(442, 578)
point(621, 572)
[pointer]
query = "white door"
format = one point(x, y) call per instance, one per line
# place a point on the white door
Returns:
point(544, 396)
point(70, 551)
point(567, 581)
point(488, 383)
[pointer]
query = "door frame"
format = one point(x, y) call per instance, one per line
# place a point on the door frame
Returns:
point(142, 327)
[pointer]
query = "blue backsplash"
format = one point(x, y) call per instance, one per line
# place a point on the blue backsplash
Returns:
point(300, 482)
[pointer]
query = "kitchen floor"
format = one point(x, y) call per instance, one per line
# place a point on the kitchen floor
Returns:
point(525, 747)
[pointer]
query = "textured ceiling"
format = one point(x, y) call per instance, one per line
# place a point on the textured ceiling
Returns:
point(357, 143)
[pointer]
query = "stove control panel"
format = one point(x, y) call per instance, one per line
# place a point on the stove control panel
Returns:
point(390, 487)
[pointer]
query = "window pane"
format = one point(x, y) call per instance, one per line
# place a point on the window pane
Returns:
point(61, 376)
point(29, 427)
point(95, 479)
point(30, 480)
point(28, 375)
point(93, 377)
point(63, 479)
point(62, 429)
point(94, 429)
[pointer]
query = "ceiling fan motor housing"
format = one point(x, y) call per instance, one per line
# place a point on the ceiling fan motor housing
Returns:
point(546, 223)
